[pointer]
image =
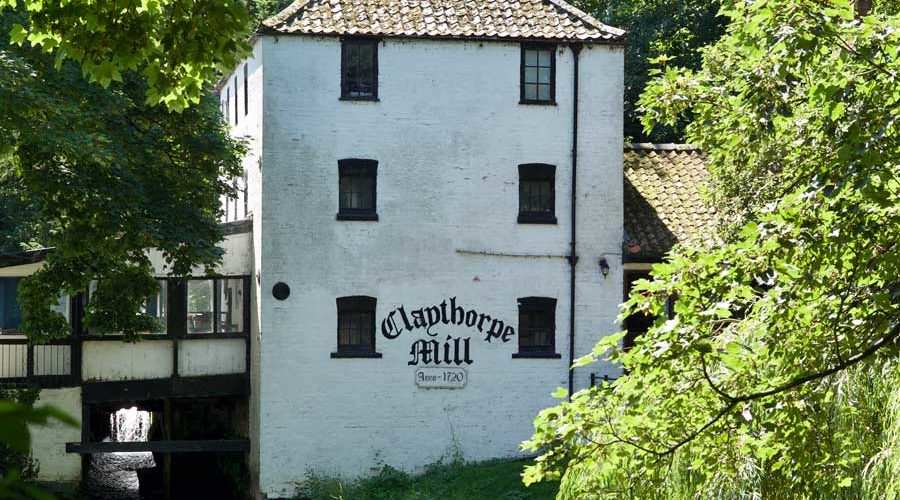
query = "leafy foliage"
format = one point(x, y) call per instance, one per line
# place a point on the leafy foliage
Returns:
point(260, 10)
point(676, 29)
point(797, 106)
point(177, 45)
point(21, 227)
point(112, 177)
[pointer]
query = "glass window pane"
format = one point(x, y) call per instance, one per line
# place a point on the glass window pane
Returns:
point(200, 306)
point(156, 306)
point(365, 185)
point(10, 315)
point(231, 305)
point(62, 306)
point(345, 192)
point(543, 75)
point(365, 324)
point(531, 58)
point(343, 330)
point(530, 92)
point(531, 75)
point(544, 58)
point(543, 93)
point(354, 329)
point(525, 327)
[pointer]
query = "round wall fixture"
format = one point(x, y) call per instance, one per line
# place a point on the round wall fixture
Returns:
point(281, 291)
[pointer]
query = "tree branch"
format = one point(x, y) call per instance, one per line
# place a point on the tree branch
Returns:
point(797, 382)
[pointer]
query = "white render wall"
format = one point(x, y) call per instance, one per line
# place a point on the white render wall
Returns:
point(448, 133)
point(48, 442)
point(249, 128)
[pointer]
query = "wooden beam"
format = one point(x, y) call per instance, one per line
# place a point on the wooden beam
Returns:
point(182, 387)
point(186, 446)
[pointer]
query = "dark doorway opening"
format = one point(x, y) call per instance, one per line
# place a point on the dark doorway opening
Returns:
point(165, 449)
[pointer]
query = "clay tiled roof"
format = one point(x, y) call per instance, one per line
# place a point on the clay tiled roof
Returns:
point(482, 19)
point(664, 204)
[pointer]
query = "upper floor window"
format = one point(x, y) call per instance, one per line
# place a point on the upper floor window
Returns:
point(359, 69)
point(10, 315)
point(356, 327)
point(235, 99)
point(246, 92)
point(537, 197)
point(227, 103)
point(244, 191)
point(158, 305)
point(216, 306)
point(357, 189)
point(537, 327)
point(538, 74)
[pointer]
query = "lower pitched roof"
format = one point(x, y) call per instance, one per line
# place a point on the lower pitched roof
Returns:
point(663, 198)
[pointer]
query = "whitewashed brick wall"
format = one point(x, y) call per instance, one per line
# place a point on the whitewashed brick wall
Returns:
point(448, 133)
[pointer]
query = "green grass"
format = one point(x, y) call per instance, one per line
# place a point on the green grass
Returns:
point(493, 480)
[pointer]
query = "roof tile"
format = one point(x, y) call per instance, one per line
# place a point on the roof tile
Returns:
point(552, 20)
point(663, 200)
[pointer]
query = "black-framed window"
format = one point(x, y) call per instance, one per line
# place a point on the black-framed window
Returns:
point(227, 104)
point(216, 306)
point(537, 193)
point(537, 328)
point(235, 99)
point(357, 189)
point(359, 69)
point(356, 328)
point(538, 74)
point(245, 191)
point(10, 314)
point(156, 307)
point(203, 307)
point(246, 92)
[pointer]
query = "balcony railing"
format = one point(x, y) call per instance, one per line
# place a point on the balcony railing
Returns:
point(44, 365)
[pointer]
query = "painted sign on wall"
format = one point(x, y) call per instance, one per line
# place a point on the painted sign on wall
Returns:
point(441, 378)
point(450, 350)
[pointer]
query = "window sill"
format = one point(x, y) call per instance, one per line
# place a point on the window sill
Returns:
point(213, 336)
point(363, 99)
point(537, 103)
point(372, 216)
point(350, 355)
point(121, 338)
point(536, 355)
point(536, 219)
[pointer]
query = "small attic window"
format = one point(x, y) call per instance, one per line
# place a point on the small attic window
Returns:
point(359, 69)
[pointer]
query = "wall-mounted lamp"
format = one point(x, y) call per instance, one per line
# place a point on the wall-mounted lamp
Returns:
point(604, 267)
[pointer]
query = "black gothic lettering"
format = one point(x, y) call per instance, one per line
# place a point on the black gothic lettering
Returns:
point(434, 317)
point(444, 319)
point(453, 312)
point(509, 332)
point(454, 350)
point(471, 317)
point(496, 330)
point(466, 359)
point(388, 328)
point(405, 319)
point(419, 318)
point(481, 319)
